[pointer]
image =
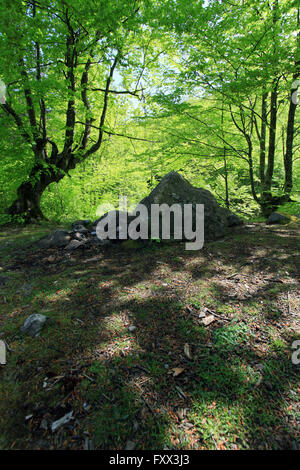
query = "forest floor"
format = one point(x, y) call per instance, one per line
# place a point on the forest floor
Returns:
point(172, 383)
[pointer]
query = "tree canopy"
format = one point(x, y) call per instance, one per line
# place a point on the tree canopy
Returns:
point(107, 99)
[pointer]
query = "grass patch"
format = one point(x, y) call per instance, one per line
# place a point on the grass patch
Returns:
point(237, 390)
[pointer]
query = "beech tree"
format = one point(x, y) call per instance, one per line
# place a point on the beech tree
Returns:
point(58, 59)
point(215, 78)
point(247, 57)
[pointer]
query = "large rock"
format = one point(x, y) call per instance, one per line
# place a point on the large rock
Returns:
point(33, 324)
point(277, 218)
point(175, 189)
point(233, 220)
point(57, 238)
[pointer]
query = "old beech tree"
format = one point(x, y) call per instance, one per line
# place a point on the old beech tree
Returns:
point(58, 60)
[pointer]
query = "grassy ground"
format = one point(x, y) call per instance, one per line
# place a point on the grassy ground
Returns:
point(172, 383)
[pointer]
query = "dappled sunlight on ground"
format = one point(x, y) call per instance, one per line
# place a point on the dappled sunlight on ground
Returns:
point(171, 382)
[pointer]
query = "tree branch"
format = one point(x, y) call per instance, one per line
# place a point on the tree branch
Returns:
point(29, 100)
point(125, 92)
point(18, 121)
point(97, 145)
point(70, 63)
point(121, 135)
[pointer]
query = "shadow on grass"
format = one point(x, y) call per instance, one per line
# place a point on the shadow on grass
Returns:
point(119, 383)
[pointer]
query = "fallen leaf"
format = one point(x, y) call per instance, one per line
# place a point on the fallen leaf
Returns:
point(208, 320)
point(176, 371)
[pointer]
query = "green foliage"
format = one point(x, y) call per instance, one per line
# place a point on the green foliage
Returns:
point(231, 336)
point(191, 76)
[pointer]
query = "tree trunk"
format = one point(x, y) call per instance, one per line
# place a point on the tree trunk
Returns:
point(227, 202)
point(268, 203)
point(29, 193)
point(262, 141)
point(272, 138)
point(288, 157)
point(27, 204)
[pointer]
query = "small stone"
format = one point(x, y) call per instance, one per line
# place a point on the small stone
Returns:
point(79, 236)
point(33, 324)
point(135, 426)
point(130, 445)
point(131, 329)
point(73, 245)
point(202, 314)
